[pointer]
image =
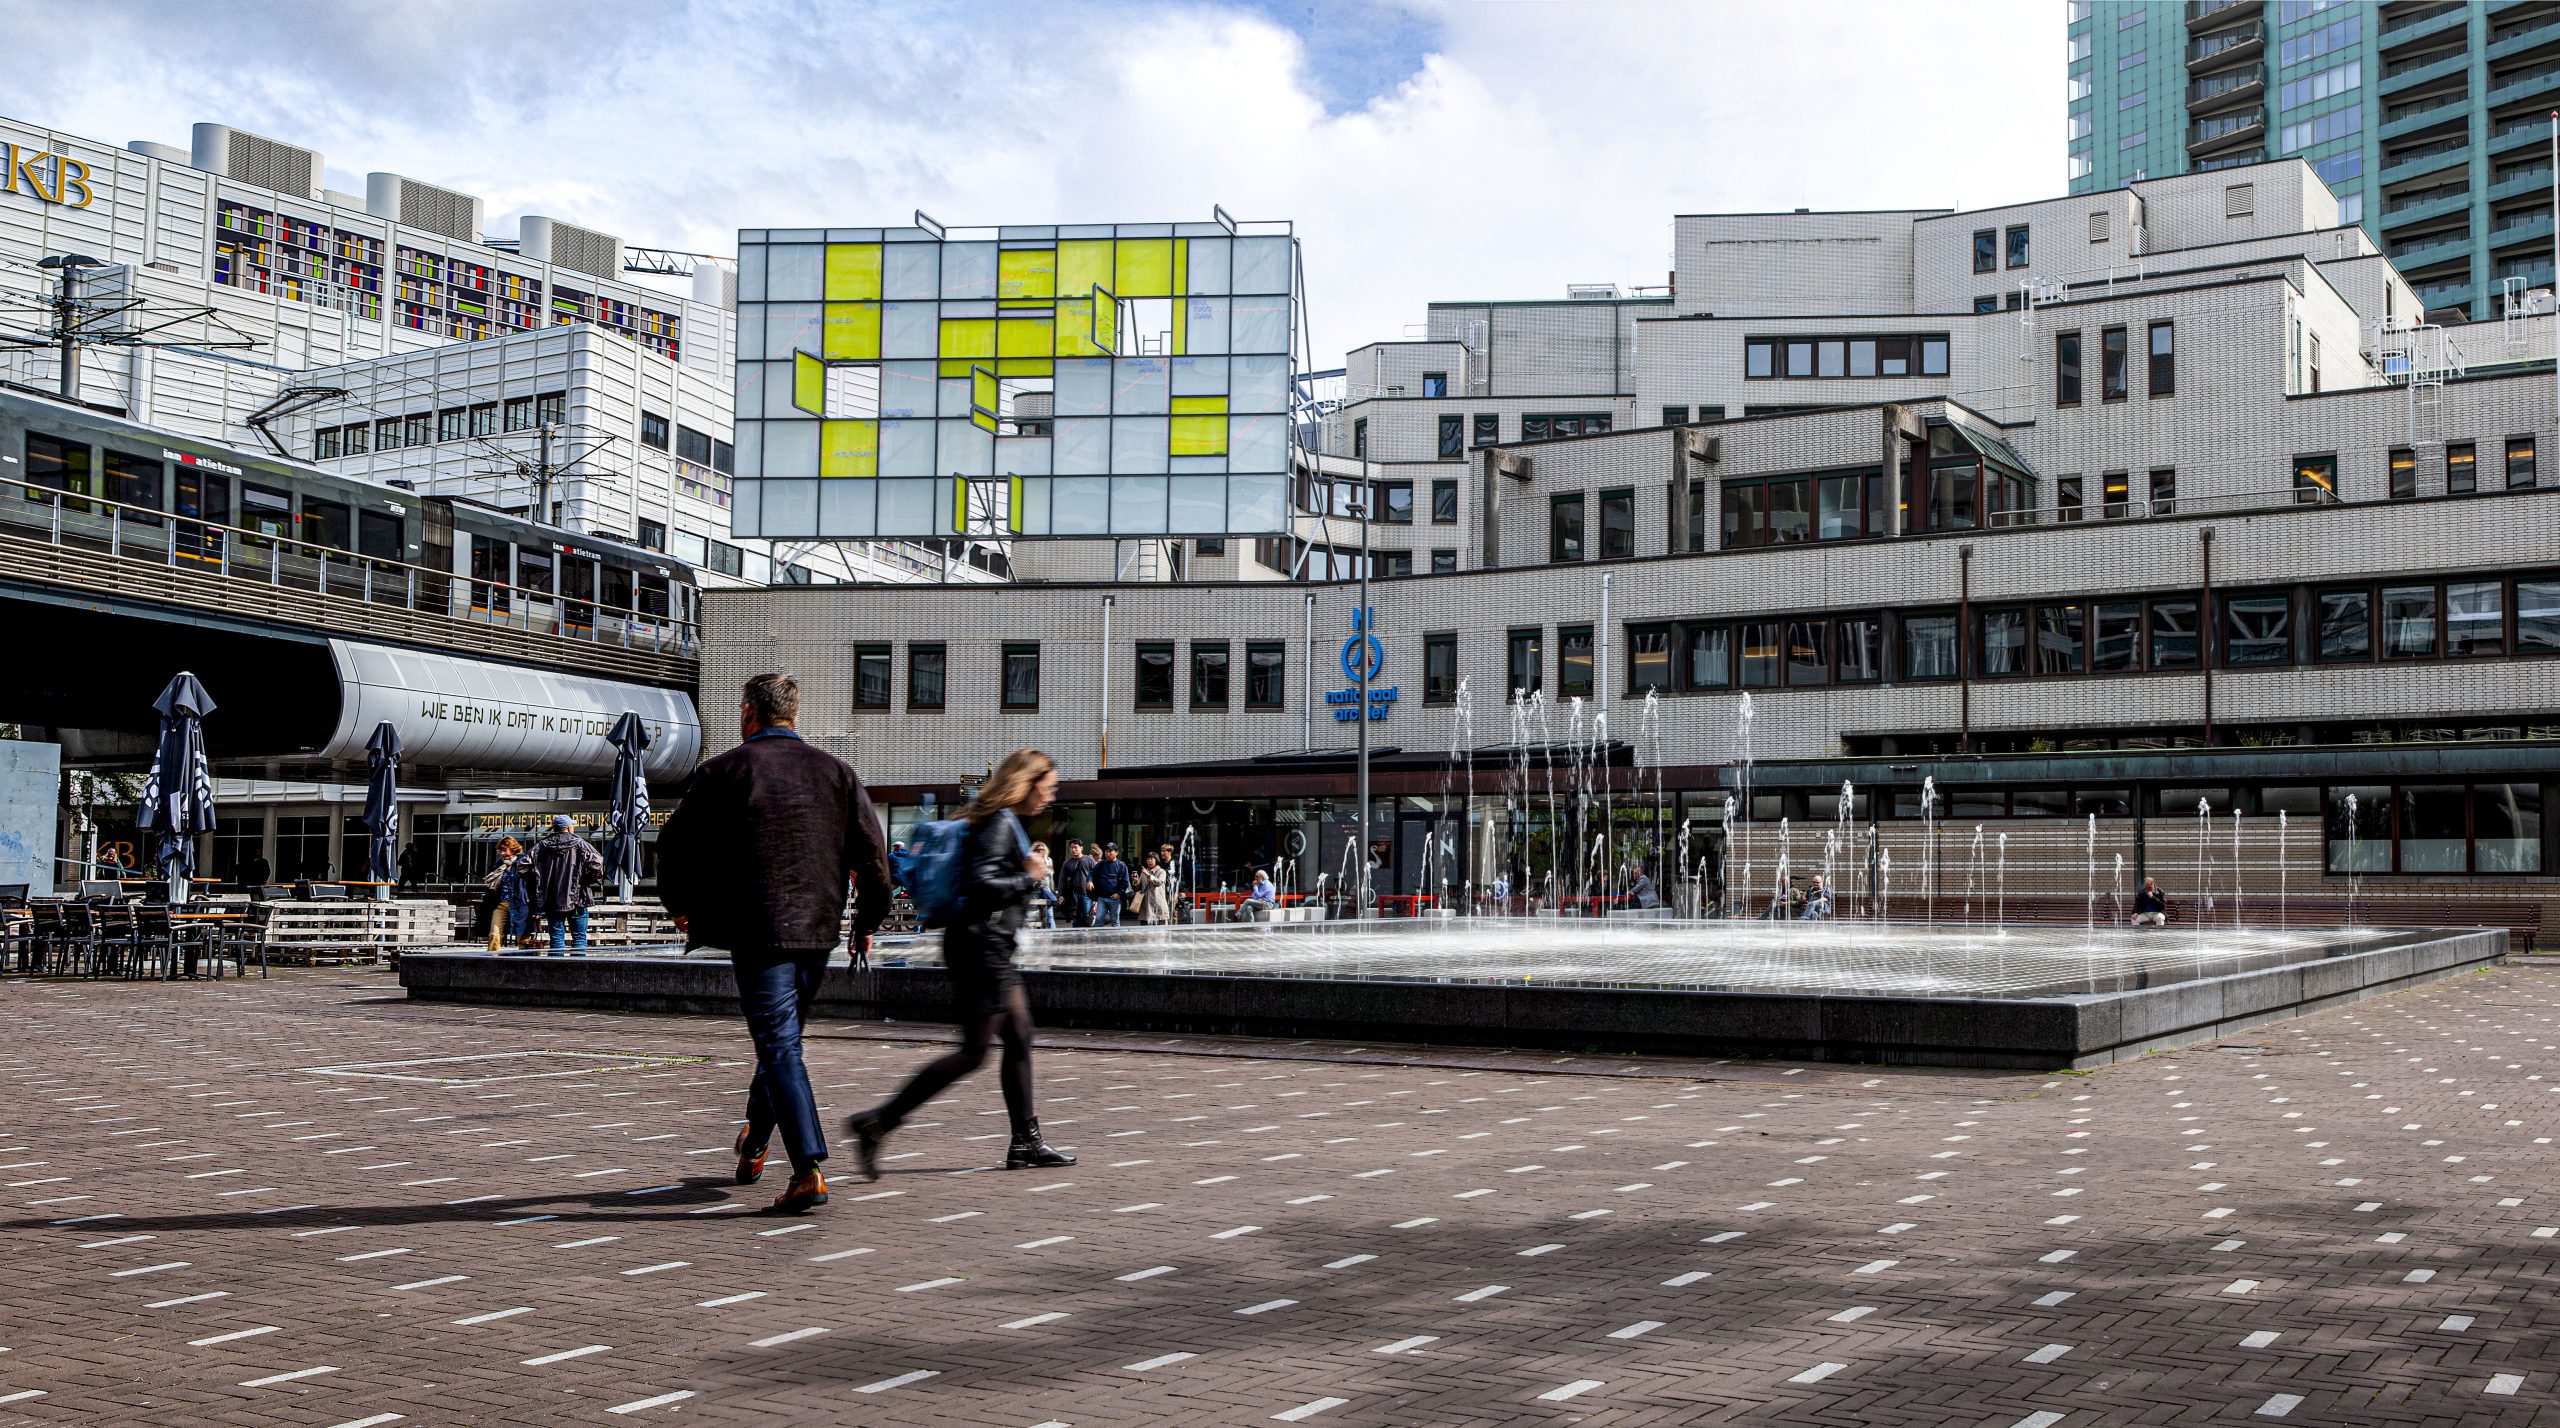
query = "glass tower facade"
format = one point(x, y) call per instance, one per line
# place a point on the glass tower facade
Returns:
point(2430, 121)
point(1071, 380)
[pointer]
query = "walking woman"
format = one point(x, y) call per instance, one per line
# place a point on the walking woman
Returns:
point(1148, 892)
point(977, 949)
point(507, 898)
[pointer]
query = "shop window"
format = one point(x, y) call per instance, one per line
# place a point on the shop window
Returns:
point(1707, 652)
point(2257, 630)
point(1209, 675)
point(2102, 803)
point(1527, 665)
point(2432, 828)
point(1266, 674)
point(2506, 828)
point(1154, 688)
point(871, 676)
point(1021, 676)
point(2345, 632)
point(1617, 524)
point(925, 666)
point(1573, 660)
point(1440, 668)
point(2359, 829)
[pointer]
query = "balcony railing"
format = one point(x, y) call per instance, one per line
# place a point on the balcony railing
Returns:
point(2226, 44)
point(2204, 14)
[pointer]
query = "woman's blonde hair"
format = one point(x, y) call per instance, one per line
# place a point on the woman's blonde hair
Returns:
point(1011, 784)
point(509, 847)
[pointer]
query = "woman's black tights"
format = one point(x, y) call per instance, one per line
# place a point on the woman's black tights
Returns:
point(1011, 1021)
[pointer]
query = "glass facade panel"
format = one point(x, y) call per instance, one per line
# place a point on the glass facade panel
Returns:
point(1709, 654)
point(2408, 622)
point(2506, 828)
point(1929, 647)
point(2346, 624)
point(2475, 618)
point(2432, 828)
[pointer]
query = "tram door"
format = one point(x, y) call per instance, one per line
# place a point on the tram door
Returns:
point(203, 502)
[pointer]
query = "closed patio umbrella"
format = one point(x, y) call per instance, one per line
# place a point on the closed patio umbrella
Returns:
point(382, 805)
point(630, 812)
point(177, 798)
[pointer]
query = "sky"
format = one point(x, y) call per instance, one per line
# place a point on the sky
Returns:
point(1424, 150)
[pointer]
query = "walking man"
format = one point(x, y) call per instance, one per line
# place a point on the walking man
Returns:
point(564, 865)
point(756, 860)
point(1110, 883)
point(1072, 876)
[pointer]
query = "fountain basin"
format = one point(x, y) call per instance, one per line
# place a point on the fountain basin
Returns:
point(2042, 998)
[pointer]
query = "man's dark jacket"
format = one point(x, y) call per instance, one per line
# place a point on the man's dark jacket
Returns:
point(559, 869)
point(757, 855)
point(1110, 878)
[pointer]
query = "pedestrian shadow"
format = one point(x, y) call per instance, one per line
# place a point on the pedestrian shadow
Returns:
point(621, 1206)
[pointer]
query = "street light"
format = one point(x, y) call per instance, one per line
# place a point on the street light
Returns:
point(1362, 638)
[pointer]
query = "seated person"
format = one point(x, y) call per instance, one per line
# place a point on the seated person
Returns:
point(1261, 902)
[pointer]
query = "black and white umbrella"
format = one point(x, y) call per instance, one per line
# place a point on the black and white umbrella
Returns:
point(382, 803)
point(630, 737)
point(177, 799)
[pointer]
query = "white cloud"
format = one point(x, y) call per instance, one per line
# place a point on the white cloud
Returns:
point(1539, 143)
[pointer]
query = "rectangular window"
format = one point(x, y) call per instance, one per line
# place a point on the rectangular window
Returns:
point(2461, 469)
point(1986, 250)
point(2359, 829)
point(1395, 563)
point(2164, 491)
point(484, 419)
point(1933, 356)
point(2345, 630)
point(1858, 641)
point(1394, 502)
point(870, 676)
point(324, 443)
point(1440, 668)
point(653, 430)
point(2257, 630)
point(2175, 641)
point(2059, 631)
point(1021, 676)
point(413, 430)
point(552, 408)
point(520, 414)
point(1528, 666)
point(1760, 358)
point(1707, 657)
point(1697, 515)
point(2519, 462)
point(1435, 384)
point(2066, 369)
point(2404, 474)
point(1675, 416)
point(387, 434)
point(1360, 439)
point(1831, 358)
point(1988, 302)
point(2067, 498)
point(449, 424)
point(2004, 643)
point(2115, 637)
point(1564, 526)
point(378, 535)
point(2538, 617)
point(1760, 648)
point(1800, 359)
point(2117, 488)
point(2017, 241)
point(1838, 502)
point(1444, 562)
point(359, 439)
point(1808, 652)
point(1209, 675)
point(1444, 503)
point(1573, 660)
point(653, 534)
point(2315, 480)
point(1488, 428)
point(1453, 437)
point(1617, 524)
point(1154, 687)
point(1648, 659)
point(1928, 647)
point(2506, 828)
point(925, 666)
point(2111, 365)
point(2164, 359)
point(2475, 618)
point(2433, 830)
point(1266, 674)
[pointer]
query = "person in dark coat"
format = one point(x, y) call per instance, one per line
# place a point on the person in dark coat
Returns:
point(756, 860)
point(564, 864)
point(977, 951)
point(1072, 892)
point(1108, 882)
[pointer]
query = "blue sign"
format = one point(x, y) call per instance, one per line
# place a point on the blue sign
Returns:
point(1363, 644)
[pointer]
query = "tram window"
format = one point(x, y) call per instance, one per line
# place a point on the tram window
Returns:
point(488, 572)
point(265, 511)
point(378, 535)
point(651, 593)
point(578, 579)
point(134, 481)
point(533, 568)
point(60, 465)
point(202, 497)
point(326, 523)
point(617, 587)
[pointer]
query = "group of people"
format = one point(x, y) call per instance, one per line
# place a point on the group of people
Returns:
point(1099, 889)
point(757, 859)
point(550, 887)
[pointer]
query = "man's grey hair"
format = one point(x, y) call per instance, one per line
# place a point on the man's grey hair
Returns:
point(775, 698)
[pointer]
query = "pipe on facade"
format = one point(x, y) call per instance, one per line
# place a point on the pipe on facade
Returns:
point(1600, 650)
point(2204, 633)
point(1964, 647)
point(1307, 697)
point(1105, 761)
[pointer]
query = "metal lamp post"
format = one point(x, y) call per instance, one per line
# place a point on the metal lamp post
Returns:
point(1364, 637)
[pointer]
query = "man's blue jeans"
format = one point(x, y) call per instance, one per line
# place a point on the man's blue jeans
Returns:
point(1106, 912)
point(570, 923)
point(772, 990)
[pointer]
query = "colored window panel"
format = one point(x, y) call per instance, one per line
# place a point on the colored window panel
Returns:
point(1027, 273)
point(968, 337)
point(1106, 320)
point(1023, 336)
point(1026, 367)
point(849, 448)
point(982, 398)
point(1084, 264)
point(1199, 435)
point(853, 271)
point(1199, 406)
point(808, 383)
point(1144, 268)
point(853, 332)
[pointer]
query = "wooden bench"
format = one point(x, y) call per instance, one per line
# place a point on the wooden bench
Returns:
point(350, 932)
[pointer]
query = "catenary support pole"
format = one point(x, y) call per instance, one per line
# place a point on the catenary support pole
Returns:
point(1363, 639)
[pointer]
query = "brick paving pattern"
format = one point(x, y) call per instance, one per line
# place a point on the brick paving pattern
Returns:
point(296, 1202)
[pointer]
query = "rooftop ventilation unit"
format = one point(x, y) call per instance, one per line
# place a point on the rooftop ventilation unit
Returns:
point(716, 285)
point(412, 204)
point(1599, 292)
point(247, 158)
point(565, 245)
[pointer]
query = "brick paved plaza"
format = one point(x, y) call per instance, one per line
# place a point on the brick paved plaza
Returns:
point(224, 1208)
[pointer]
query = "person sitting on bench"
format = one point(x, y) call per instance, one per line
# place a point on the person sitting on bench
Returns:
point(2151, 905)
point(1261, 902)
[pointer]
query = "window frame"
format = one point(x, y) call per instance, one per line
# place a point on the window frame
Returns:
point(2308, 486)
point(2462, 457)
point(1986, 250)
point(1566, 635)
point(2531, 453)
point(1453, 433)
point(1261, 656)
point(2401, 469)
point(2114, 365)
point(2068, 374)
point(1618, 501)
point(1559, 539)
point(2014, 242)
point(1532, 638)
point(2163, 365)
point(940, 653)
point(1006, 655)
point(1139, 653)
point(1445, 486)
point(1436, 689)
point(1212, 662)
point(885, 657)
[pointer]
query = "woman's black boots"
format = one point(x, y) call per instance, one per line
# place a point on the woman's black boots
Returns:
point(1029, 1151)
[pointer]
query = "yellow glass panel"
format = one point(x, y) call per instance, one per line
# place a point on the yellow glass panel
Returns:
point(1013, 509)
point(1198, 436)
point(1026, 336)
point(1181, 307)
point(1075, 330)
point(982, 398)
point(1083, 264)
point(853, 332)
point(1199, 406)
point(1026, 367)
point(849, 448)
point(853, 271)
point(1144, 269)
point(808, 384)
point(1106, 321)
point(1027, 273)
point(968, 337)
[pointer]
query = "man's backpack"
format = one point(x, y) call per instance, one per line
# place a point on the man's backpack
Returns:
point(937, 874)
